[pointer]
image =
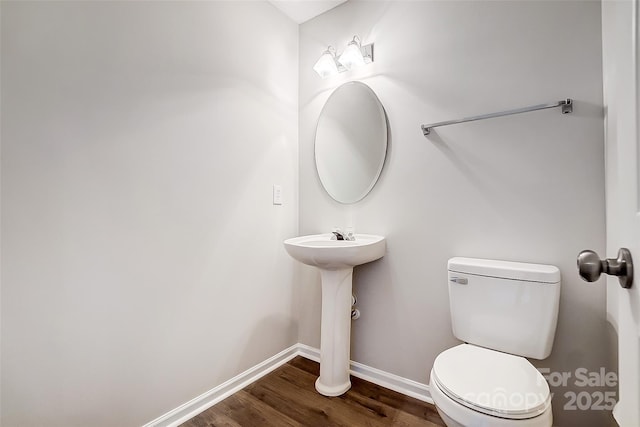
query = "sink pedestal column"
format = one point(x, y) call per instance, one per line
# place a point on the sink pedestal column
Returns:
point(335, 334)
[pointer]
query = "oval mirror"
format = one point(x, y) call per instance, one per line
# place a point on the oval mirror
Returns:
point(351, 142)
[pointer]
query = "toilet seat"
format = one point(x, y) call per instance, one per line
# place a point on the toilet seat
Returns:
point(491, 382)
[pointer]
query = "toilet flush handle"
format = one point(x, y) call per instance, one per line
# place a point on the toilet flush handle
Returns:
point(590, 266)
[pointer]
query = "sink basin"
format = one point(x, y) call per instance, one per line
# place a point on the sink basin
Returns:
point(335, 259)
point(320, 251)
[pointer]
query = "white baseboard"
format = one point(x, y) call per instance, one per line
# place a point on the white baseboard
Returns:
point(393, 382)
point(308, 352)
point(206, 400)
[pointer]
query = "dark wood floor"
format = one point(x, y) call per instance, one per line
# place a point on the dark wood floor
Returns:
point(287, 397)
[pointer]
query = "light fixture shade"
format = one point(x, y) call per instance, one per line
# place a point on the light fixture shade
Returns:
point(352, 55)
point(326, 66)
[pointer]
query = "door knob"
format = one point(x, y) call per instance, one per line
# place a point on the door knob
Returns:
point(590, 266)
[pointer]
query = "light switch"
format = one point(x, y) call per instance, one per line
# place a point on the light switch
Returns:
point(277, 194)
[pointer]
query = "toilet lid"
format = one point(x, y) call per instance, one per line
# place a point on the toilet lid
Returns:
point(491, 382)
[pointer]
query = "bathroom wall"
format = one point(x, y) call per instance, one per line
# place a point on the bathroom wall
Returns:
point(142, 262)
point(526, 188)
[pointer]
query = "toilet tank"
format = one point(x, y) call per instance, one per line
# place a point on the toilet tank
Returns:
point(506, 306)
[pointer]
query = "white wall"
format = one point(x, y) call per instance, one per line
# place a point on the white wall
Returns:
point(142, 257)
point(526, 188)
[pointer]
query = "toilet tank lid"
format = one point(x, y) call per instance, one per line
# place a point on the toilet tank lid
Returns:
point(505, 269)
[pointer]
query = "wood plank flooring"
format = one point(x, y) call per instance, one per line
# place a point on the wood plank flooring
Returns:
point(287, 397)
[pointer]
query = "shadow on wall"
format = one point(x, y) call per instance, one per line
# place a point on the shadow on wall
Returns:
point(586, 392)
point(262, 337)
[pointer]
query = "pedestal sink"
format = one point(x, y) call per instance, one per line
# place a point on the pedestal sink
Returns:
point(335, 259)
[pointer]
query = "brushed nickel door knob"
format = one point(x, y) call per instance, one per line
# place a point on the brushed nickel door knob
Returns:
point(590, 266)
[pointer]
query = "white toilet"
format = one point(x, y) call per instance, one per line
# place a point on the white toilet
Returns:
point(504, 312)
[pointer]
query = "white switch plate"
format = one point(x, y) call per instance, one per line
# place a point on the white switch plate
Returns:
point(277, 194)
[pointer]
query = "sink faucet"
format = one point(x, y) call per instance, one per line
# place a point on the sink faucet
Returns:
point(339, 235)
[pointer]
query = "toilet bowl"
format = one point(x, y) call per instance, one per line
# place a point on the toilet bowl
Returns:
point(476, 387)
point(503, 312)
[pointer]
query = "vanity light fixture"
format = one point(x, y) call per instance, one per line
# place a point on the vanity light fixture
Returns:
point(328, 65)
point(354, 55)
